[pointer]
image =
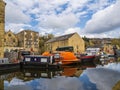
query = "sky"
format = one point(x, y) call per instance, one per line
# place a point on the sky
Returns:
point(90, 18)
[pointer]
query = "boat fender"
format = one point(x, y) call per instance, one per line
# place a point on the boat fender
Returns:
point(51, 59)
point(60, 62)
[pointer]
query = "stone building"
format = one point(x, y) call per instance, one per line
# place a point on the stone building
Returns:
point(104, 44)
point(2, 26)
point(29, 40)
point(10, 39)
point(100, 41)
point(72, 39)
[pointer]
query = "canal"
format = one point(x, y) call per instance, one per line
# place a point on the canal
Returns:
point(83, 77)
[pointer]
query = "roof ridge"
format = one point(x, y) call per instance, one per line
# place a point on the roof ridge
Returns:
point(66, 34)
point(60, 38)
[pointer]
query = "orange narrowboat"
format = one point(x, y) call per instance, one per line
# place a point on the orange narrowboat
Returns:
point(63, 57)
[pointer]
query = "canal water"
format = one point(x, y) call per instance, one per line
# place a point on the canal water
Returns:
point(83, 77)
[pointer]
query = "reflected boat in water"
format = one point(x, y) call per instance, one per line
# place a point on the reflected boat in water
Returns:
point(69, 71)
point(40, 74)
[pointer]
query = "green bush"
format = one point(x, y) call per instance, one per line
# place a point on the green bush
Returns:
point(119, 59)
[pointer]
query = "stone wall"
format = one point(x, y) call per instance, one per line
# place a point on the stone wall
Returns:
point(2, 25)
point(12, 56)
point(10, 39)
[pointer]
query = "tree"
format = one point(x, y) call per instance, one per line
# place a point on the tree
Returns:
point(42, 40)
point(87, 43)
point(116, 41)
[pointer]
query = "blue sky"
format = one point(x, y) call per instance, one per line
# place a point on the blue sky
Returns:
point(90, 18)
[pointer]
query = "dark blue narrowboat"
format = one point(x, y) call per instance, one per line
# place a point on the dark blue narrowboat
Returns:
point(36, 58)
point(38, 61)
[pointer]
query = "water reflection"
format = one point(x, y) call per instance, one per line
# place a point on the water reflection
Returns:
point(101, 78)
point(113, 66)
point(57, 83)
point(104, 79)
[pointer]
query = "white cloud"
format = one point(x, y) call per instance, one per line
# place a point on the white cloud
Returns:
point(16, 81)
point(16, 27)
point(14, 14)
point(109, 34)
point(44, 31)
point(72, 30)
point(24, 5)
point(22, 14)
point(104, 20)
point(65, 83)
point(99, 4)
point(60, 22)
point(113, 66)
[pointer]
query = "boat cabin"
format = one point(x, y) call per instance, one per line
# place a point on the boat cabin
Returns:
point(4, 61)
point(37, 58)
point(93, 51)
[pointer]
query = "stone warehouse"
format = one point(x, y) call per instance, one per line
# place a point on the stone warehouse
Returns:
point(72, 39)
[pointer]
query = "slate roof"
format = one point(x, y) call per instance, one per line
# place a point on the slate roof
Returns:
point(60, 38)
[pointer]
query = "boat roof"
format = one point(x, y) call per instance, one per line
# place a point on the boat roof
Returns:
point(35, 56)
point(93, 49)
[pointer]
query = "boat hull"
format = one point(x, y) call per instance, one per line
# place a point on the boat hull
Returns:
point(69, 62)
point(87, 58)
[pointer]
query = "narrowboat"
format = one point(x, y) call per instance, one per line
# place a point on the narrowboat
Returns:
point(106, 58)
point(63, 57)
point(38, 61)
point(87, 58)
point(6, 65)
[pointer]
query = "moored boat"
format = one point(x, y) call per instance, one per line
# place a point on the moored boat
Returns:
point(63, 57)
point(87, 58)
point(39, 61)
point(6, 65)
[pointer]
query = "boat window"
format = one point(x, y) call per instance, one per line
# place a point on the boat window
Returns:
point(35, 59)
point(57, 56)
point(43, 59)
point(27, 59)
